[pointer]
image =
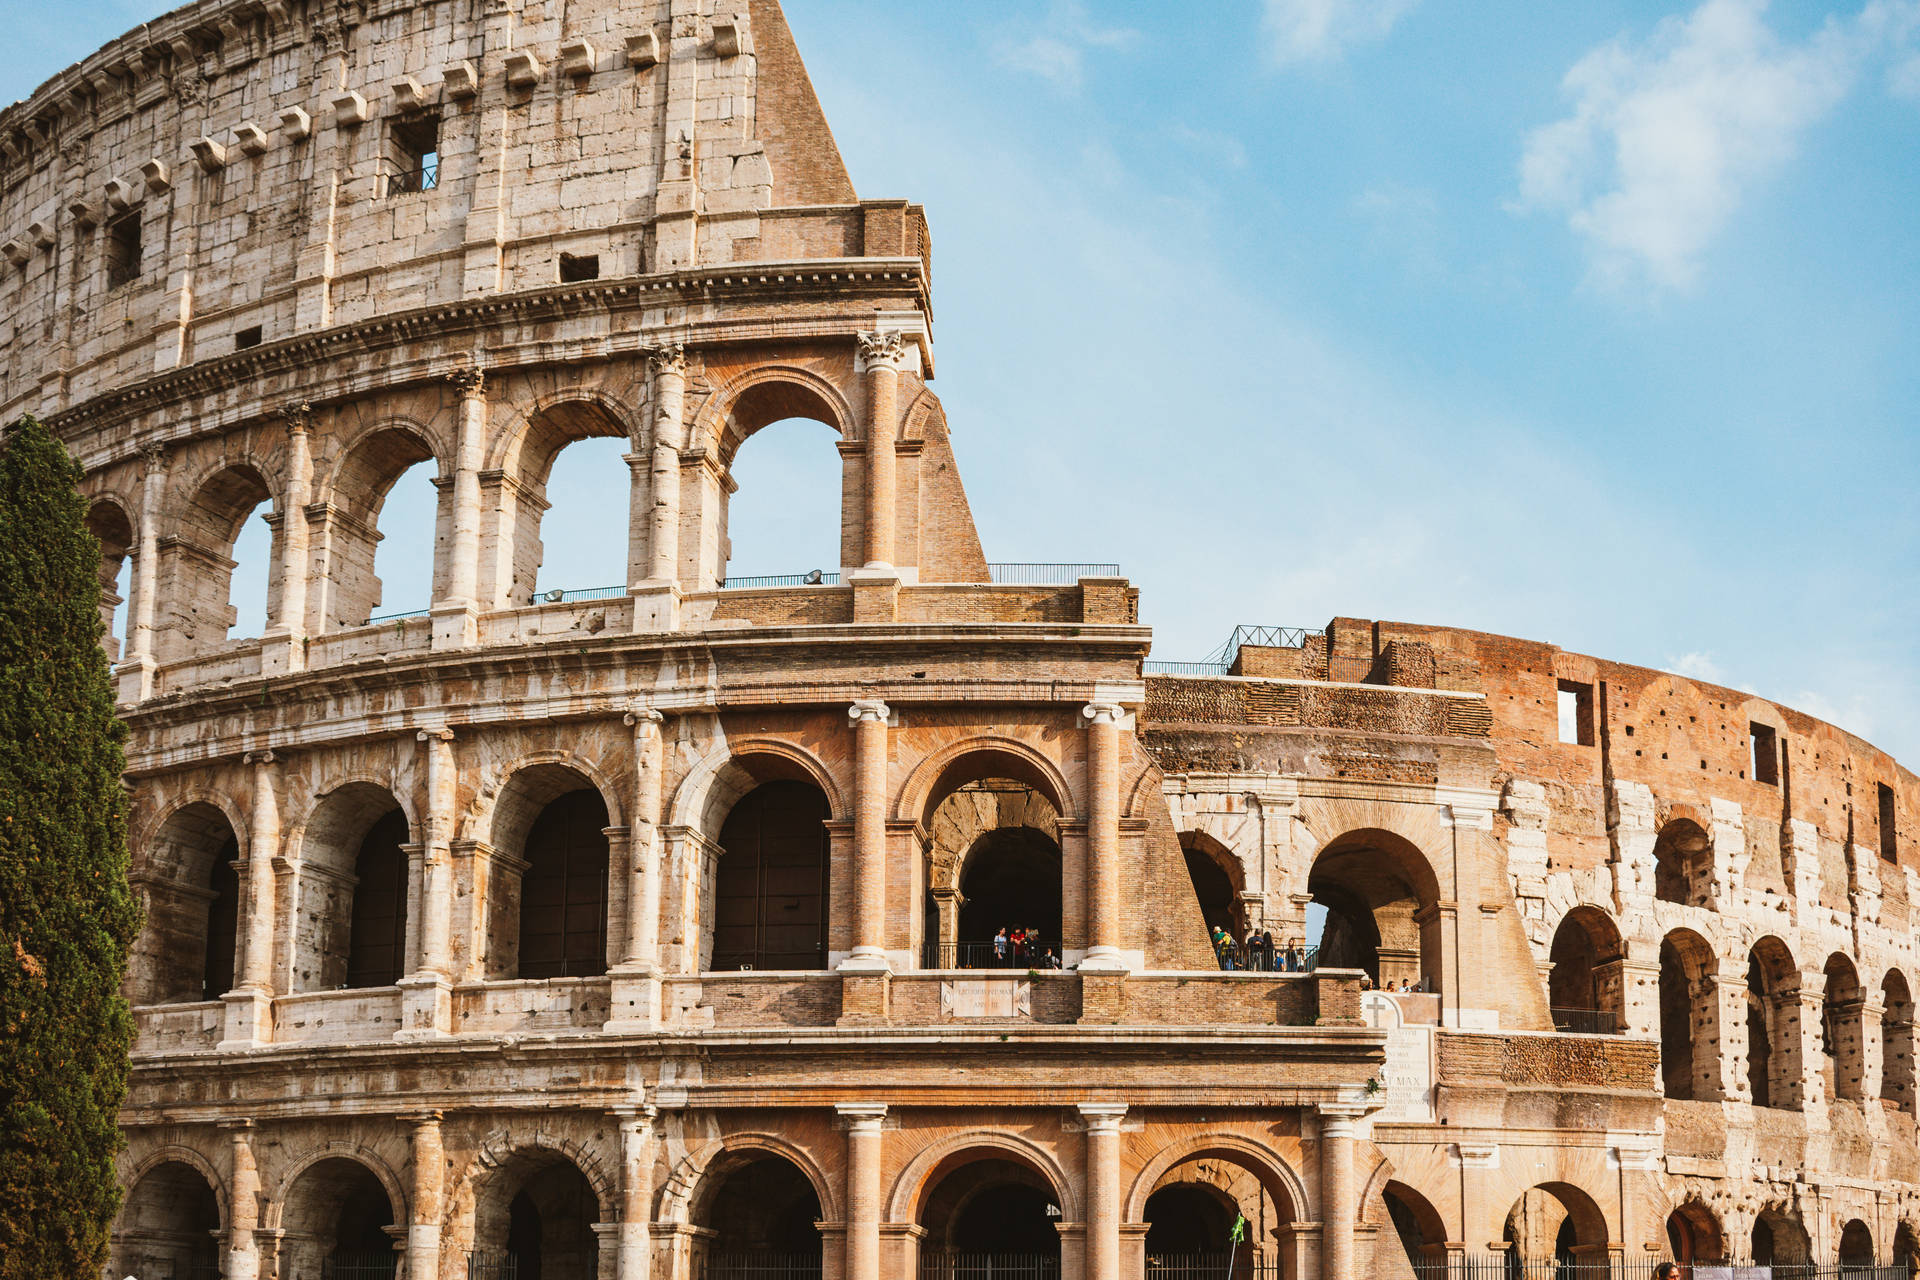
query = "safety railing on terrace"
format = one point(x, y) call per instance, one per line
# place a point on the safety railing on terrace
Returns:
point(989, 1266)
point(1257, 959)
point(1154, 668)
point(1220, 661)
point(1587, 1022)
point(990, 955)
point(407, 616)
point(816, 578)
point(761, 1266)
point(1047, 575)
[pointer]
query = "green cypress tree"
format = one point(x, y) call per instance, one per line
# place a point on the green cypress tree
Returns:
point(67, 914)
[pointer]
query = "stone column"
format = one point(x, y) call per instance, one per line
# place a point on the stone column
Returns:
point(282, 646)
point(250, 1005)
point(1103, 1188)
point(455, 623)
point(635, 1245)
point(1103, 837)
point(864, 1120)
point(136, 668)
point(884, 355)
point(427, 994)
point(656, 605)
point(243, 1213)
point(429, 1171)
point(1337, 1193)
point(869, 835)
point(636, 979)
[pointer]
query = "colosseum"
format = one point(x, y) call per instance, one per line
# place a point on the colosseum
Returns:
point(865, 923)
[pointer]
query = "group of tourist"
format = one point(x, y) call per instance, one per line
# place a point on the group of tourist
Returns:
point(1260, 953)
point(1404, 987)
point(1022, 948)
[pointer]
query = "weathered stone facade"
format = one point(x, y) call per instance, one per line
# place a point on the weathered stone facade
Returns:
point(644, 932)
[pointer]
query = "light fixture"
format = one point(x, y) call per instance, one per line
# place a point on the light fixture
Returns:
point(556, 595)
point(814, 578)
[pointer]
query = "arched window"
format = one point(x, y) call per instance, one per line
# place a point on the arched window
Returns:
point(563, 892)
point(533, 1219)
point(1689, 1022)
point(216, 578)
point(783, 515)
point(770, 890)
point(185, 949)
point(1373, 887)
point(377, 946)
point(1842, 1029)
point(107, 522)
point(561, 524)
point(351, 884)
point(1585, 987)
point(337, 1222)
point(759, 1216)
point(169, 1225)
point(1683, 864)
point(1773, 1052)
point(1216, 878)
point(1897, 1041)
point(990, 1215)
point(994, 867)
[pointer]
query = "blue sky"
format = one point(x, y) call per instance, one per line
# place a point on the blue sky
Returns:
point(1591, 323)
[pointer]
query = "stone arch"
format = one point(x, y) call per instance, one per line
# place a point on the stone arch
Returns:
point(512, 550)
point(150, 831)
point(1683, 861)
point(1843, 1027)
point(1774, 1067)
point(1588, 976)
point(190, 894)
point(697, 1174)
point(504, 1168)
point(1219, 879)
point(1282, 1181)
point(917, 1180)
point(192, 603)
point(1544, 1214)
point(109, 520)
point(1694, 1231)
point(545, 834)
point(1380, 891)
point(939, 773)
point(1897, 1045)
point(172, 1218)
point(766, 394)
point(731, 769)
point(351, 862)
point(505, 820)
point(177, 1153)
point(501, 1146)
point(1690, 1033)
point(279, 1204)
point(1418, 1227)
point(344, 545)
point(541, 426)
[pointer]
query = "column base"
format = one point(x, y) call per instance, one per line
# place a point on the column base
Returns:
point(656, 605)
point(634, 1003)
point(426, 1008)
point(865, 960)
point(135, 677)
point(1105, 960)
point(456, 624)
point(249, 1020)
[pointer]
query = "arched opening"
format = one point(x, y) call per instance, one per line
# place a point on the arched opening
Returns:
point(169, 1225)
point(789, 521)
point(1689, 1043)
point(1896, 1042)
point(1412, 1241)
point(563, 892)
point(372, 551)
point(107, 522)
point(1190, 1214)
point(1906, 1247)
point(1586, 986)
point(571, 484)
point(217, 575)
point(763, 1214)
point(1216, 878)
point(1856, 1244)
point(1380, 898)
point(1683, 864)
point(990, 1214)
point(771, 887)
point(353, 887)
point(533, 1219)
point(1694, 1236)
point(340, 1224)
point(186, 948)
point(1188, 1219)
point(1773, 1050)
point(1779, 1240)
point(994, 870)
point(1843, 1030)
point(1554, 1225)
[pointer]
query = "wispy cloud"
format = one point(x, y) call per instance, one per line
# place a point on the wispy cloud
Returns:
point(1669, 135)
point(1299, 31)
point(1055, 49)
point(1699, 665)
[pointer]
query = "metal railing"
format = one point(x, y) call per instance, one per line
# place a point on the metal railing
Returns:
point(1587, 1022)
point(989, 1266)
point(363, 1266)
point(1222, 1265)
point(1153, 668)
point(985, 955)
point(1047, 575)
point(1297, 959)
point(492, 1266)
point(817, 578)
point(567, 595)
point(1265, 637)
point(424, 176)
point(1507, 1266)
point(761, 1266)
point(406, 616)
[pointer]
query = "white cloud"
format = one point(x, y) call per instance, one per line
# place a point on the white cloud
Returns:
point(1698, 666)
point(1056, 51)
point(1321, 30)
point(1668, 136)
point(1053, 60)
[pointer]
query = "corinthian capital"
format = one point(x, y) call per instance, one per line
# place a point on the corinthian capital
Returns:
point(469, 381)
point(297, 415)
point(884, 350)
point(153, 457)
point(670, 358)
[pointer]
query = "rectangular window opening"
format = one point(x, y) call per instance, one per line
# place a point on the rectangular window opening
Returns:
point(1576, 713)
point(123, 250)
point(1765, 753)
point(246, 338)
point(577, 267)
point(1889, 828)
point(413, 155)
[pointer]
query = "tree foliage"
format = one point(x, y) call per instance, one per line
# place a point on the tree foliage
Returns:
point(67, 914)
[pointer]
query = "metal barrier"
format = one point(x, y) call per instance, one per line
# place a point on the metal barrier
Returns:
point(1283, 959)
point(982, 955)
point(562, 595)
point(817, 578)
point(1153, 668)
point(398, 617)
point(1047, 575)
point(1587, 1022)
point(492, 1266)
point(1509, 1266)
point(1221, 1265)
point(761, 1266)
point(989, 1266)
point(367, 1266)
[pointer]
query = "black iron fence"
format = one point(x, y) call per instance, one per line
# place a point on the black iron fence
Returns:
point(492, 1266)
point(991, 955)
point(1513, 1267)
point(989, 1266)
point(405, 179)
point(362, 1266)
point(1588, 1022)
point(761, 1266)
point(1221, 1265)
point(1256, 957)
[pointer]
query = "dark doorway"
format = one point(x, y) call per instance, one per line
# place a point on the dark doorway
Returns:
point(377, 943)
point(1011, 880)
point(563, 895)
point(550, 1225)
point(223, 922)
point(1219, 904)
point(1185, 1219)
point(1676, 1023)
point(993, 1216)
point(1759, 1044)
point(765, 1218)
point(770, 893)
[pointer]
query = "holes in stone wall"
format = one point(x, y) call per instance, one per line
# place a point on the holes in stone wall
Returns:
point(1765, 753)
point(575, 268)
point(248, 337)
point(123, 249)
